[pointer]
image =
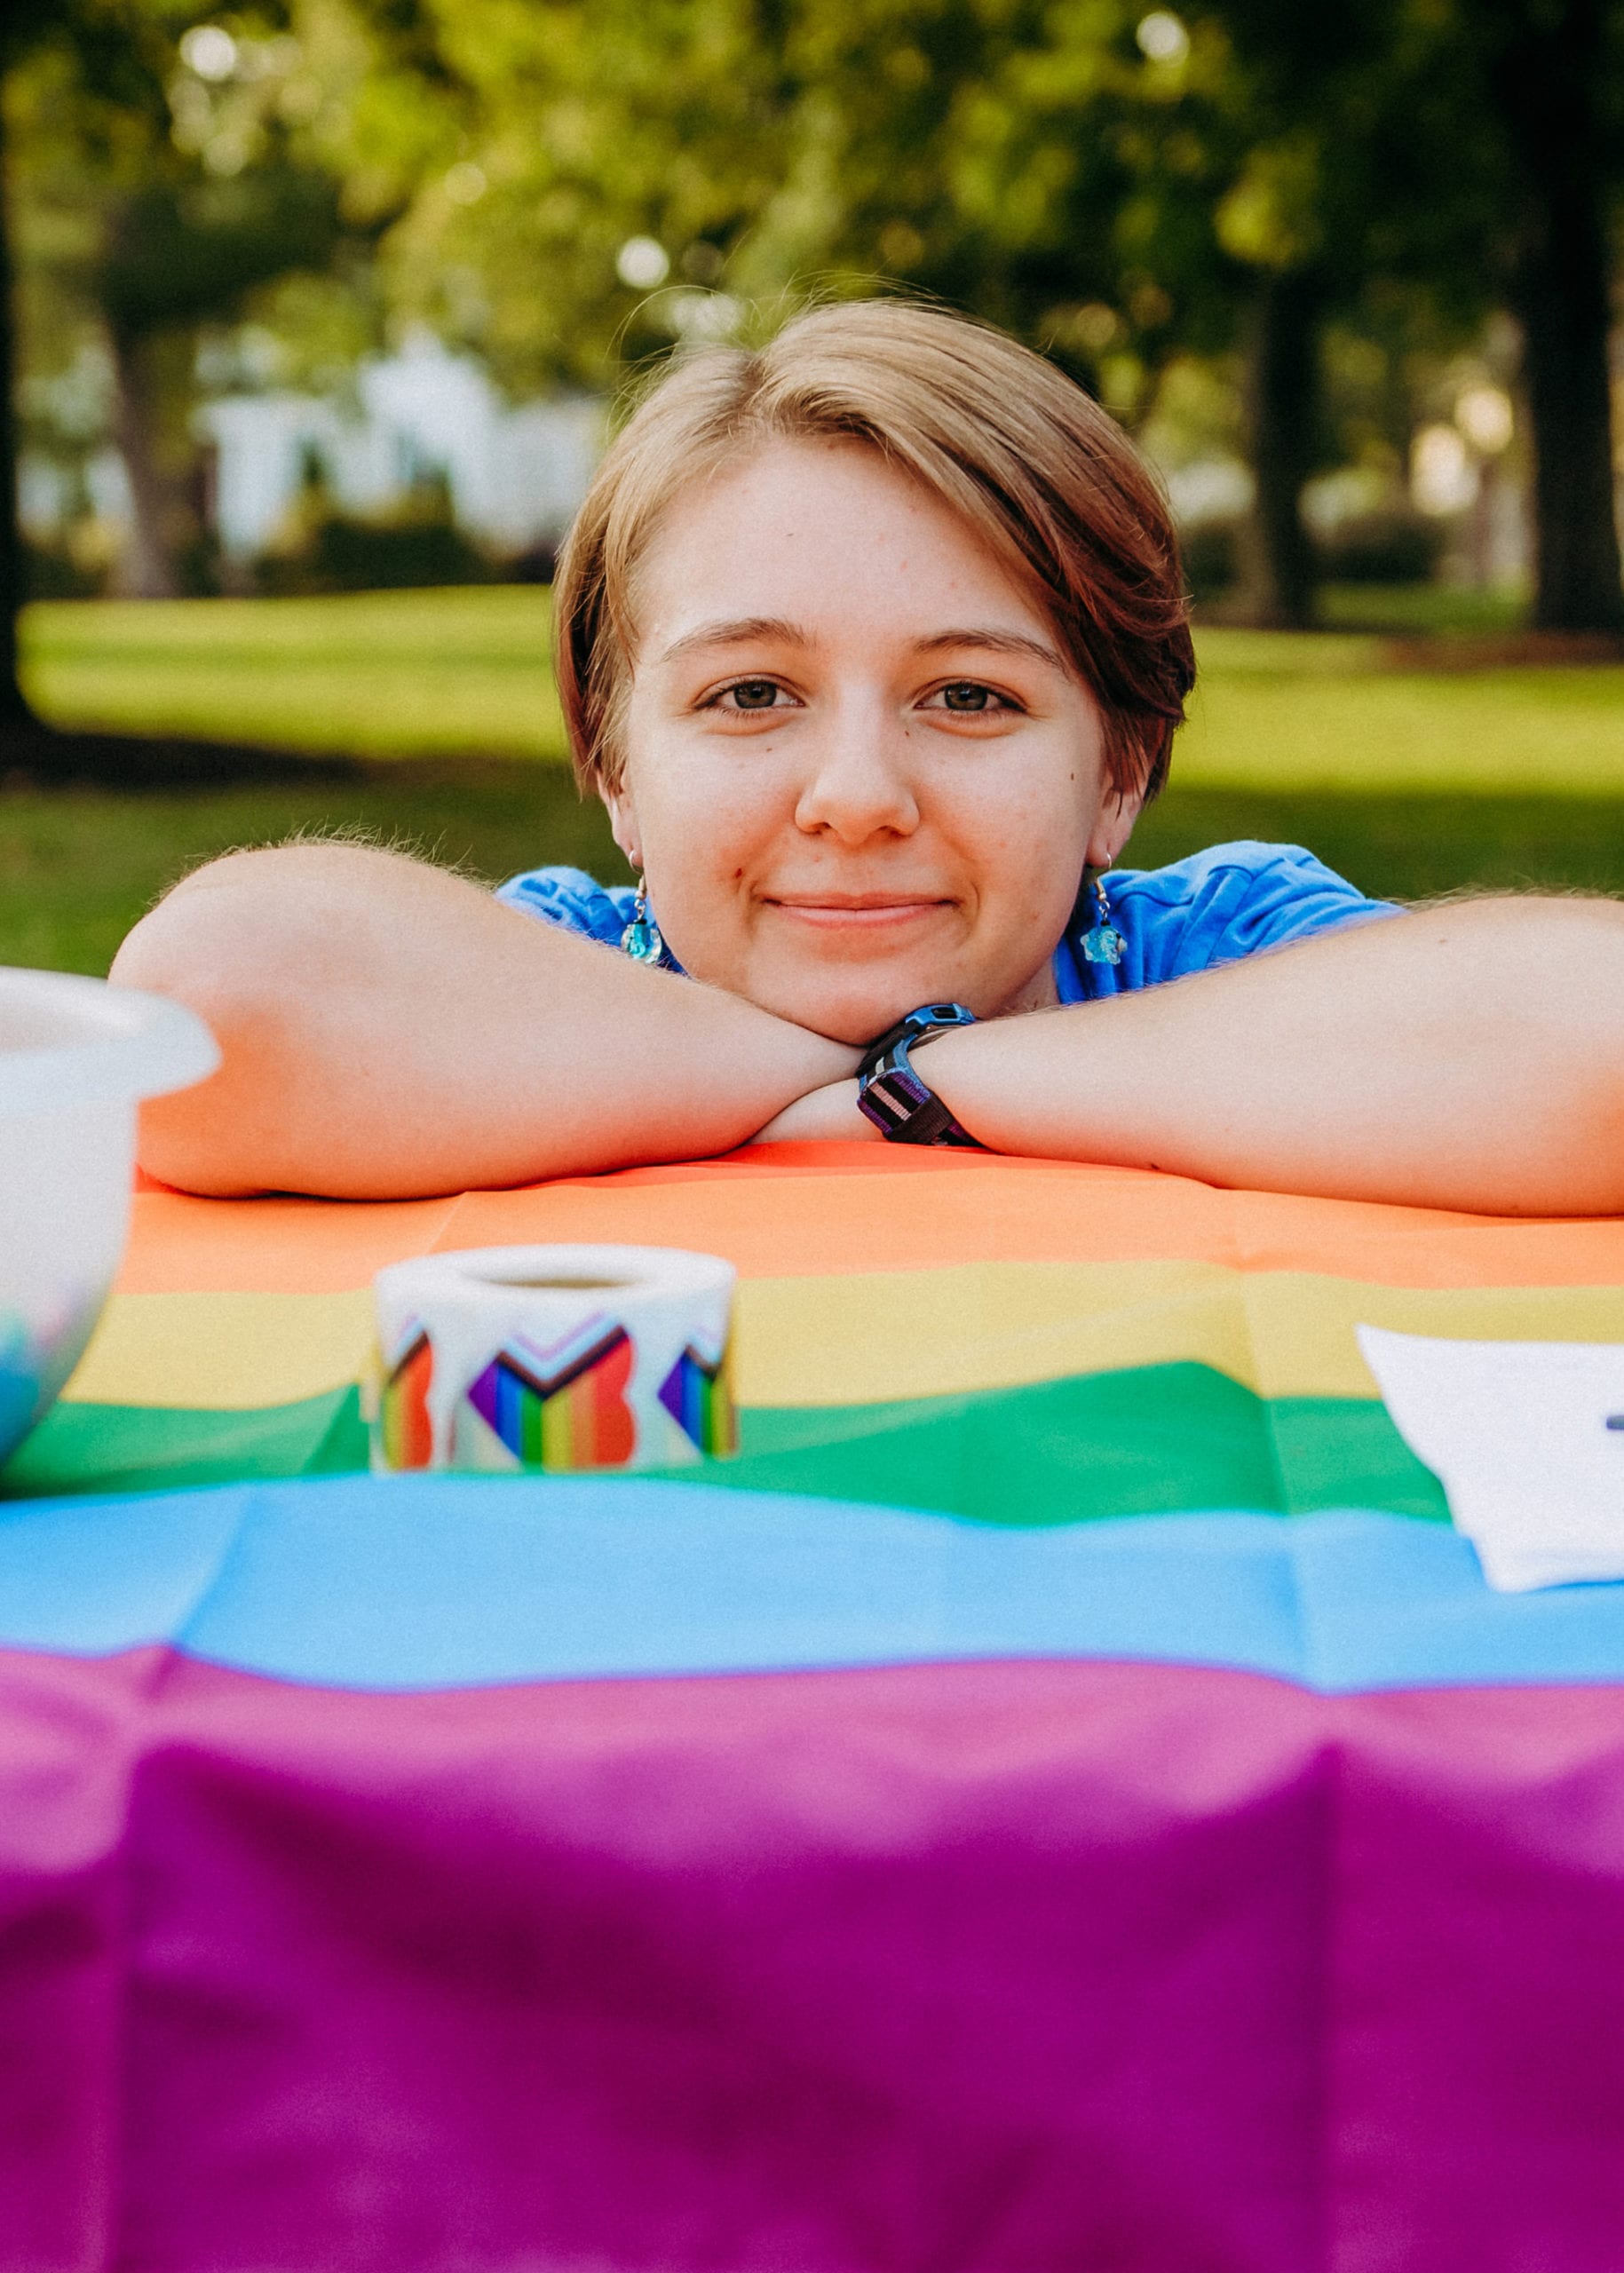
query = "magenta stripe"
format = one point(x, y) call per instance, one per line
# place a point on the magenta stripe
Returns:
point(993, 1967)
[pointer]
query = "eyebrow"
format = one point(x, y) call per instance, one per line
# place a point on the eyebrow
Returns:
point(998, 643)
point(742, 630)
point(737, 632)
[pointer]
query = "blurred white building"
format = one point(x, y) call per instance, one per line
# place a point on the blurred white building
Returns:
point(515, 475)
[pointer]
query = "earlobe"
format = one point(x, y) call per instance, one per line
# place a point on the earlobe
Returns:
point(1114, 825)
point(623, 826)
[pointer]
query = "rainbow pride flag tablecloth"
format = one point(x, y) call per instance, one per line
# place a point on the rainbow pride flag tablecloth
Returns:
point(1062, 1797)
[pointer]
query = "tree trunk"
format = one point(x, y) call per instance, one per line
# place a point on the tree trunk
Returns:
point(147, 569)
point(1282, 396)
point(1546, 81)
point(14, 708)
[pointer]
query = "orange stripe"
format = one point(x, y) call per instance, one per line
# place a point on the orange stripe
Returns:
point(795, 1211)
point(270, 1246)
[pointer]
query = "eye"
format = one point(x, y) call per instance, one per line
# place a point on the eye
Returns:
point(751, 694)
point(968, 697)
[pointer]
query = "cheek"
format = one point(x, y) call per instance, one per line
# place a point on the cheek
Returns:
point(701, 813)
point(1028, 833)
point(703, 836)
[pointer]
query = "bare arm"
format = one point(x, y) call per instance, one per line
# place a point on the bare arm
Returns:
point(389, 1030)
point(1468, 1056)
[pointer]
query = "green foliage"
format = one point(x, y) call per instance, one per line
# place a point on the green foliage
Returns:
point(414, 545)
point(1211, 555)
point(156, 200)
point(1392, 547)
point(176, 252)
point(353, 552)
point(51, 572)
point(1130, 202)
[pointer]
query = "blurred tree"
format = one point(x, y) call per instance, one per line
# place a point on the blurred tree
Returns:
point(1240, 172)
point(159, 155)
point(156, 138)
point(1552, 76)
point(15, 709)
point(173, 254)
point(1117, 186)
point(573, 187)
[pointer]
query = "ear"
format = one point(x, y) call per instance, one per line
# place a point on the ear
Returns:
point(1114, 825)
point(623, 822)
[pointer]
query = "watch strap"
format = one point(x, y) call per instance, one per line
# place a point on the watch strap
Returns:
point(895, 1097)
point(919, 1026)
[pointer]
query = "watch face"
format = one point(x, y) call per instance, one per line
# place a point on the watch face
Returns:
point(934, 1016)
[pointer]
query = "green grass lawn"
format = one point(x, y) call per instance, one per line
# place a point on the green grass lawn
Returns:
point(441, 673)
point(1411, 783)
point(1319, 710)
point(78, 866)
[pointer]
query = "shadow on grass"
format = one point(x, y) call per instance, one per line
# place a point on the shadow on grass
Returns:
point(1409, 847)
point(46, 757)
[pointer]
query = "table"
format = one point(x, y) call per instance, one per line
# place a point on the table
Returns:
point(1062, 1797)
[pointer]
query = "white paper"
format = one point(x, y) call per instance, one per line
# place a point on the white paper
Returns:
point(1517, 1434)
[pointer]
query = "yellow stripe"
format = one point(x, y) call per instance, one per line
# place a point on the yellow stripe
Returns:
point(848, 1341)
point(224, 1352)
point(867, 1338)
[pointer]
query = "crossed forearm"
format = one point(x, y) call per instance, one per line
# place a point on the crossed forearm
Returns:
point(1469, 1057)
point(389, 1031)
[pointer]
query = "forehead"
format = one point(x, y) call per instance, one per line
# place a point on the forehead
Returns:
point(828, 536)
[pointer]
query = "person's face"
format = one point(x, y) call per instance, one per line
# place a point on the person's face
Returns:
point(860, 773)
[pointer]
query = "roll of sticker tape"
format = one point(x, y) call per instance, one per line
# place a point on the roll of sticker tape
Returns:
point(554, 1358)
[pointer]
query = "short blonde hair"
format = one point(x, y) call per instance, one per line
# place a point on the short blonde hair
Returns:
point(1042, 474)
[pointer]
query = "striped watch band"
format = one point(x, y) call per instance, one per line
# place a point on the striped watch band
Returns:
point(890, 1092)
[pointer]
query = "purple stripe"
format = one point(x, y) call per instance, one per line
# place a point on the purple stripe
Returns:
point(994, 1967)
point(485, 1394)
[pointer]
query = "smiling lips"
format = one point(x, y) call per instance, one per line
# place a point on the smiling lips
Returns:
point(857, 911)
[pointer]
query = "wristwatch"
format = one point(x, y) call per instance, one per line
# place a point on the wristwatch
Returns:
point(905, 1109)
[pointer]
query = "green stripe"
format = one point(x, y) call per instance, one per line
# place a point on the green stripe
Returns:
point(153, 1448)
point(1156, 1437)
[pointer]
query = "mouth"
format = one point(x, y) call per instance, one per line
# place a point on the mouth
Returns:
point(856, 911)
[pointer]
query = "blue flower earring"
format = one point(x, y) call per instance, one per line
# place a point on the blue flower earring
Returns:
point(641, 938)
point(1102, 942)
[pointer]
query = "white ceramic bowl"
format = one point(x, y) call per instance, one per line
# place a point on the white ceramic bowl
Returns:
point(76, 1056)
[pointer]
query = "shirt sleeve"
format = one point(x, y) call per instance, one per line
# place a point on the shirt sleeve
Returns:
point(1227, 903)
point(573, 900)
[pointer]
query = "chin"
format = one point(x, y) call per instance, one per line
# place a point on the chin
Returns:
point(851, 1010)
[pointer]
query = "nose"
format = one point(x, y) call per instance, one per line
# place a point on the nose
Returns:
point(859, 783)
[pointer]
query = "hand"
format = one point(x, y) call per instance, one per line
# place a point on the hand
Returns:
point(826, 1115)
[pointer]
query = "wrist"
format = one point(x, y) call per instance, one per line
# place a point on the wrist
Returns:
point(895, 1097)
point(953, 1068)
point(796, 1060)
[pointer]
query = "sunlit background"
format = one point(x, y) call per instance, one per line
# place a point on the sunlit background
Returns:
point(322, 312)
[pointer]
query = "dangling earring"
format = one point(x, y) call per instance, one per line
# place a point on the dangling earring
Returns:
point(641, 938)
point(1102, 942)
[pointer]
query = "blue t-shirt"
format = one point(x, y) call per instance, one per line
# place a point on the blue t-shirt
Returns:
point(1217, 906)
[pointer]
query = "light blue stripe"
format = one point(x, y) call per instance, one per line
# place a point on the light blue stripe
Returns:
point(423, 1583)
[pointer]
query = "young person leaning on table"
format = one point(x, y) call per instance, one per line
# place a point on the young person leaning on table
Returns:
point(874, 645)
